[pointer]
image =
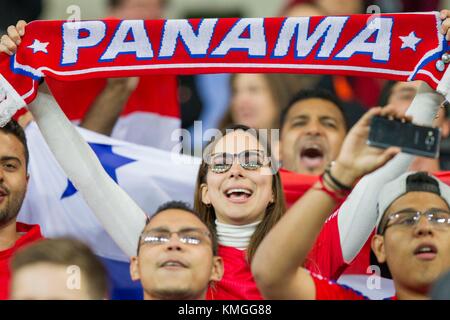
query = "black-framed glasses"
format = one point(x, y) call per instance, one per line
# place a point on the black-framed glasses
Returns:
point(221, 162)
point(407, 218)
point(188, 236)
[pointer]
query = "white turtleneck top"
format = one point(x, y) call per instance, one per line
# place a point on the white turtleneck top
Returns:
point(235, 236)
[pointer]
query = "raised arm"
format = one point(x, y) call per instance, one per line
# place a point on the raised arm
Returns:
point(277, 260)
point(358, 214)
point(107, 107)
point(118, 213)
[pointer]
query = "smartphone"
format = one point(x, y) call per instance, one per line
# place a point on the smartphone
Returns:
point(411, 138)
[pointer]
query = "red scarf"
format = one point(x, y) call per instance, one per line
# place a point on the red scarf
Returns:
point(393, 46)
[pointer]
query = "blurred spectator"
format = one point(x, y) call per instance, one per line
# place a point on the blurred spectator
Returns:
point(13, 186)
point(257, 99)
point(307, 81)
point(399, 95)
point(357, 93)
point(58, 269)
point(105, 110)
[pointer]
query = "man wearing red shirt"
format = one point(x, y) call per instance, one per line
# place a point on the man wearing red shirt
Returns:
point(412, 237)
point(415, 248)
point(13, 186)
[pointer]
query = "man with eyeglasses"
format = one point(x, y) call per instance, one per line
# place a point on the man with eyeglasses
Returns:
point(413, 232)
point(177, 255)
point(413, 238)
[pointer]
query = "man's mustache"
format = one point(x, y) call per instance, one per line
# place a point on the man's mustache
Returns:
point(4, 190)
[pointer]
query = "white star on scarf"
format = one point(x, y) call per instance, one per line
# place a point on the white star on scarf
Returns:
point(410, 41)
point(38, 46)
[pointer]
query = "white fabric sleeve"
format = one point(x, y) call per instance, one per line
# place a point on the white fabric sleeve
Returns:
point(358, 214)
point(117, 212)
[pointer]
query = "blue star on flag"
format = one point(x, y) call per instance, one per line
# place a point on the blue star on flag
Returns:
point(110, 161)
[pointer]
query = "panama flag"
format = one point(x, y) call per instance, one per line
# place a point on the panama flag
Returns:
point(149, 175)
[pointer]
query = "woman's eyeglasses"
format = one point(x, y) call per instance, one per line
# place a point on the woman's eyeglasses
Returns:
point(249, 160)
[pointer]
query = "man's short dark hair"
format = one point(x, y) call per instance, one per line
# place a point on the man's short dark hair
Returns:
point(12, 127)
point(386, 93)
point(313, 94)
point(180, 205)
point(66, 252)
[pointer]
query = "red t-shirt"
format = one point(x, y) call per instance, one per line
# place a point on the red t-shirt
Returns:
point(237, 282)
point(155, 94)
point(326, 256)
point(326, 259)
point(31, 233)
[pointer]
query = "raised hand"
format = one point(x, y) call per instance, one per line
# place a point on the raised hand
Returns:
point(356, 157)
point(10, 41)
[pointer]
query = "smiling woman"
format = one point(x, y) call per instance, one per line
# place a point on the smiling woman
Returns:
point(241, 200)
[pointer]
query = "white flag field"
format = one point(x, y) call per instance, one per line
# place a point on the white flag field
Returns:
point(150, 176)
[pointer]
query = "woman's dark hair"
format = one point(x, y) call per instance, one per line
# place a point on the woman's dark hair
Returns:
point(274, 211)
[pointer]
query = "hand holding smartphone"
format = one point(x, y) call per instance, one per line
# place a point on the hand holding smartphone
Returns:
point(411, 138)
